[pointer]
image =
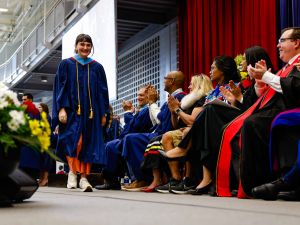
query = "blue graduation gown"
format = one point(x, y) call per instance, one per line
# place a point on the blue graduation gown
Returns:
point(30, 158)
point(134, 144)
point(128, 116)
point(141, 123)
point(65, 95)
point(112, 132)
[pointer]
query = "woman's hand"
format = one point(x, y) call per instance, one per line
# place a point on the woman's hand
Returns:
point(235, 90)
point(56, 130)
point(62, 116)
point(103, 120)
point(229, 96)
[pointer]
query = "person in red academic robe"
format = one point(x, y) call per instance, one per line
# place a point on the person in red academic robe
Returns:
point(276, 93)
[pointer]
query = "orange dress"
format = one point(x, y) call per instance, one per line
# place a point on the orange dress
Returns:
point(76, 165)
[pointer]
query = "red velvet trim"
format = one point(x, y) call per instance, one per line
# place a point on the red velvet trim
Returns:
point(223, 165)
point(151, 153)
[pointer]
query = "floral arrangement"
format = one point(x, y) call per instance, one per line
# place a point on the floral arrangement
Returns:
point(238, 60)
point(16, 127)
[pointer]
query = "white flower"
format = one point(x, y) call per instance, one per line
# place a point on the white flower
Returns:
point(3, 103)
point(13, 125)
point(17, 119)
point(13, 97)
point(17, 116)
point(7, 95)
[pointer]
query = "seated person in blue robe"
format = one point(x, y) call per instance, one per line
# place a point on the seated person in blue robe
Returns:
point(128, 114)
point(140, 122)
point(135, 144)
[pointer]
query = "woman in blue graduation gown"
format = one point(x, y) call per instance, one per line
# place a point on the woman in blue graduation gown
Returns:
point(80, 105)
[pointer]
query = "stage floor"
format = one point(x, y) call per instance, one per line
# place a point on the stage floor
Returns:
point(60, 206)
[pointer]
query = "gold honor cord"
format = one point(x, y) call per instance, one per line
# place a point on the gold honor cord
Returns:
point(90, 97)
point(78, 110)
point(89, 90)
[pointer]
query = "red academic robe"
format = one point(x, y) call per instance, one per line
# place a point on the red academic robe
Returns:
point(261, 115)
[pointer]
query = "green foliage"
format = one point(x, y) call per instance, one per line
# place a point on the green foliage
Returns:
point(17, 129)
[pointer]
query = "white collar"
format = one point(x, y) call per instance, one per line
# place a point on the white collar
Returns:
point(293, 59)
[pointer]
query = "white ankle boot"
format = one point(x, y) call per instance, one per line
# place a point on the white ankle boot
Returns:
point(72, 180)
point(84, 185)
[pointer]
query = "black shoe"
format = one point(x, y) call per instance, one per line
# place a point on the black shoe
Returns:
point(167, 187)
point(180, 158)
point(213, 189)
point(108, 186)
point(270, 191)
point(234, 193)
point(183, 187)
point(293, 195)
point(203, 190)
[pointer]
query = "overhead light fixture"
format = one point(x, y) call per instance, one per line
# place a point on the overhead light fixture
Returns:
point(44, 79)
point(3, 10)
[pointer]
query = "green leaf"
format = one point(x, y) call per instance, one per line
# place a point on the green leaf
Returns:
point(7, 141)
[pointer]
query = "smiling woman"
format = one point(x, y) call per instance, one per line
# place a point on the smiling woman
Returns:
point(83, 48)
point(80, 105)
point(99, 22)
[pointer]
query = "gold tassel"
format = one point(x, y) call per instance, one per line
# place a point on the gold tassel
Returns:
point(78, 110)
point(91, 114)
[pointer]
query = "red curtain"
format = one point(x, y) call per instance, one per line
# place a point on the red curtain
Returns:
point(208, 28)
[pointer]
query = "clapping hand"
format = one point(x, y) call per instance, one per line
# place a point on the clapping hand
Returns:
point(259, 70)
point(227, 95)
point(232, 95)
point(173, 103)
point(152, 94)
point(128, 106)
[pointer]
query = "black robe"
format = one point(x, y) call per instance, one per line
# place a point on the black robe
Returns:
point(254, 166)
point(206, 132)
point(255, 132)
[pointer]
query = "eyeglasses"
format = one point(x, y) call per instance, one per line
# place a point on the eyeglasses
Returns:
point(281, 40)
point(169, 78)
